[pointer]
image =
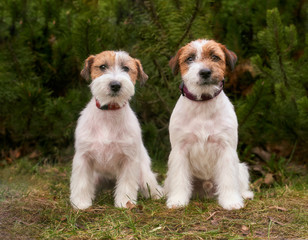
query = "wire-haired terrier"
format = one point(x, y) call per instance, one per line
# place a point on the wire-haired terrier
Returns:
point(203, 129)
point(108, 141)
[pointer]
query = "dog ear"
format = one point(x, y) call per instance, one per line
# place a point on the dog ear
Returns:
point(86, 71)
point(174, 63)
point(142, 77)
point(231, 58)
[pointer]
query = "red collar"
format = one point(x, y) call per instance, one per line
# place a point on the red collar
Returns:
point(204, 97)
point(110, 106)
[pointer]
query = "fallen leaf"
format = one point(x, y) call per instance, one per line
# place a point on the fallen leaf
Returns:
point(34, 154)
point(9, 160)
point(245, 230)
point(215, 222)
point(264, 155)
point(269, 179)
point(130, 205)
point(278, 208)
point(15, 154)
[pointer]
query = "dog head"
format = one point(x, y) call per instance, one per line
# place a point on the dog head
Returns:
point(203, 64)
point(113, 74)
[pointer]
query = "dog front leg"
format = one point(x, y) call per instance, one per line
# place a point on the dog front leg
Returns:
point(82, 183)
point(127, 184)
point(178, 186)
point(227, 180)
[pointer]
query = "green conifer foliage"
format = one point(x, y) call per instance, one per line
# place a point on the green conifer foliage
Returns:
point(277, 108)
point(43, 45)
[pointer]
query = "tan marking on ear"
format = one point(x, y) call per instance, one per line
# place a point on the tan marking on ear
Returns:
point(86, 71)
point(142, 76)
point(174, 62)
point(230, 56)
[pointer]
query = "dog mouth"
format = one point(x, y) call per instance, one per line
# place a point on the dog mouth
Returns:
point(208, 82)
point(114, 94)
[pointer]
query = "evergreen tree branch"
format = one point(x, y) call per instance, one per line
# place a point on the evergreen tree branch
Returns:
point(177, 4)
point(190, 23)
point(87, 37)
point(15, 60)
point(161, 72)
point(148, 5)
point(278, 51)
point(163, 101)
point(252, 107)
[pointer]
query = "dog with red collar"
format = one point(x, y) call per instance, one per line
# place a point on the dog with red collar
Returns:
point(108, 141)
point(203, 128)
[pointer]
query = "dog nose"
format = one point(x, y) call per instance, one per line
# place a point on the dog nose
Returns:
point(205, 73)
point(115, 86)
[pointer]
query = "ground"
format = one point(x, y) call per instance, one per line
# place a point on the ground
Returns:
point(34, 204)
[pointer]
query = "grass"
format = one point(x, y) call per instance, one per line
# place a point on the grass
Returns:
point(34, 204)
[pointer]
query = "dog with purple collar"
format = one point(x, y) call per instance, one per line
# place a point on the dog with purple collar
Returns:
point(203, 129)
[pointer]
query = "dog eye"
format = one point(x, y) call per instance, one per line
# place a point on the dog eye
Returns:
point(103, 67)
point(125, 68)
point(189, 59)
point(215, 58)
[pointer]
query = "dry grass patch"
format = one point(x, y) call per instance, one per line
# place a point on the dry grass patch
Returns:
point(34, 204)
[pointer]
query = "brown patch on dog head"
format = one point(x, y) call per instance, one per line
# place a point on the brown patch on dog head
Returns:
point(214, 58)
point(106, 58)
point(132, 66)
point(142, 76)
point(97, 65)
point(86, 71)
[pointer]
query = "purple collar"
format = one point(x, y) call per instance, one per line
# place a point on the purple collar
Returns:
point(204, 97)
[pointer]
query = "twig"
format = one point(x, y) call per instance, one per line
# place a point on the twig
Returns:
point(292, 153)
point(211, 215)
point(192, 19)
point(151, 9)
point(161, 73)
point(162, 100)
point(272, 220)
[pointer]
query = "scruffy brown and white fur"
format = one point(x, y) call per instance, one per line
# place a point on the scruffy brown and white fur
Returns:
point(108, 143)
point(203, 134)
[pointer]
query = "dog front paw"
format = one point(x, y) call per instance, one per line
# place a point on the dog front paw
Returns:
point(158, 193)
point(177, 203)
point(124, 203)
point(232, 202)
point(247, 195)
point(81, 204)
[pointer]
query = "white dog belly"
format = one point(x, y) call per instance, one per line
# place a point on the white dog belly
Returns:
point(202, 158)
point(108, 157)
